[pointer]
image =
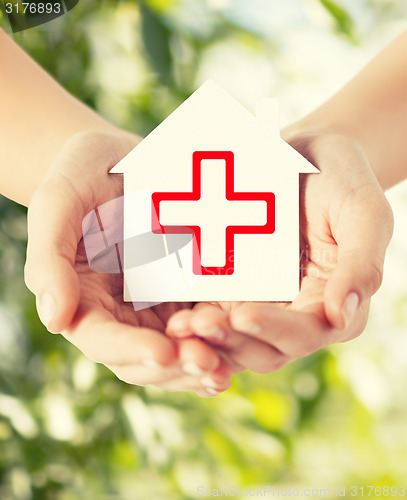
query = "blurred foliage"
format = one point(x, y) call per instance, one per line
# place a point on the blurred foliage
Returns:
point(68, 428)
point(343, 20)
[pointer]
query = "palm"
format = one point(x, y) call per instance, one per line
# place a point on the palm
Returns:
point(329, 204)
point(105, 291)
point(323, 202)
point(324, 198)
point(321, 197)
point(87, 306)
point(318, 251)
point(93, 315)
point(342, 210)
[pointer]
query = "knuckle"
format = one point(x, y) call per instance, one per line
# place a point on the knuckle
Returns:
point(247, 315)
point(130, 378)
point(34, 201)
point(302, 351)
point(281, 362)
point(388, 217)
point(375, 276)
point(358, 331)
point(124, 378)
point(66, 249)
point(307, 347)
point(382, 213)
point(359, 328)
point(93, 355)
point(29, 276)
point(273, 366)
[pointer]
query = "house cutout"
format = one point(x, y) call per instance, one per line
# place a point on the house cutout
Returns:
point(224, 183)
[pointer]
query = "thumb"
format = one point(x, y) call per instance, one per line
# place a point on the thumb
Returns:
point(54, 230)
point(363, 231)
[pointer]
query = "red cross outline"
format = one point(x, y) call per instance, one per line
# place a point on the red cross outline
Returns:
point(195, 195)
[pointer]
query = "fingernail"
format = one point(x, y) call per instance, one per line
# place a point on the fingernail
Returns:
point(191, 368)
point(180, 333)
point(213, 334)
point(208, 382)
point(46, 308)
point(211, 391)
point(253, 328)
point(151, 363)
point(350, 306)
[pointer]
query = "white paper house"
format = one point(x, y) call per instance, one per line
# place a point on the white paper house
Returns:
point(225, 181)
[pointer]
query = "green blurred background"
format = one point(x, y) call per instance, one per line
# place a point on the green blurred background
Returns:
point(68, 428)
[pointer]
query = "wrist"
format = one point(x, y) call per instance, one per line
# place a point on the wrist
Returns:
point(103, 147)
point(92, 139)
point(307, 128)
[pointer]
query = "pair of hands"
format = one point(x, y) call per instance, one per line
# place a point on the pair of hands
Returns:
point(345, 223)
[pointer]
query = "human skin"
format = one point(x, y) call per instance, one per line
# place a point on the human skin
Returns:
point(37, 118)
point(345, 226)
point(62, 151)
point(370, 110)
point(360, 131)
point(88, 308)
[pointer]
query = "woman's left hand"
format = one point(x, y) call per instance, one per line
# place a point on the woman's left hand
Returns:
point(345, 227)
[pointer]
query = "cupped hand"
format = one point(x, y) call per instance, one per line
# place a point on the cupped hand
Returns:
point(86, 306)
point(345, 226)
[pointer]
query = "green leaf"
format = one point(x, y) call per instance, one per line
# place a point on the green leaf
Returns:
point(156, 40)
point(343, 20)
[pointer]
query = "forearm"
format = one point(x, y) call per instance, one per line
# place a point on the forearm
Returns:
point(372, 110)
point(37, 117)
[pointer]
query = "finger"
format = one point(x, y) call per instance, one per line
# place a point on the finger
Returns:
point(103, 339)
point(189, 374)
point(219, 380)
point(187, 384)
point(197, 357)
point(55, 216)
point(178, 324)
point(173, 379)
point(212, 324)
point(205, 320)
point(207, 386)
point(363, 231)
point(54, 221)
point(294, 334)
point(142, 375)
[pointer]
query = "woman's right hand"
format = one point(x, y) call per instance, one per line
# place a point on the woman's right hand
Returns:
point(87, 307)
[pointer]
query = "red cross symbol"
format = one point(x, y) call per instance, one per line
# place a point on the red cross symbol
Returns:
point(231, 195)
